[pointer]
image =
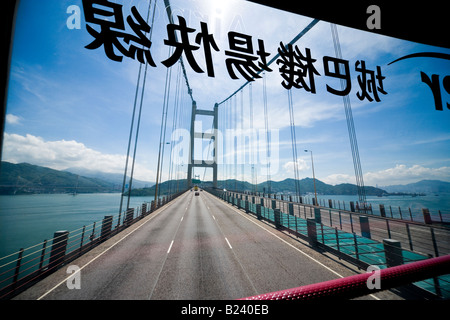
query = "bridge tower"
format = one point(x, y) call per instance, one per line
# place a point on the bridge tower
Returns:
point(201, 135)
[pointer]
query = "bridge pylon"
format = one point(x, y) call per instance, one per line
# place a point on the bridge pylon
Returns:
point(202, 135)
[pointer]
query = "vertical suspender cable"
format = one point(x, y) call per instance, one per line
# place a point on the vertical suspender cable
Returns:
point(225, 147)
point(294, 144)
point(162, 133)
point(224, 161)
point(231, 143)
point(132, 121)
point(235, 143)
point(295, 39)
point(170, 18)
point(174, 126)
point(242, 140)
point(140, 110)
point(266, 125)
point(165, 124)
point(252, 140)
point(350, 126)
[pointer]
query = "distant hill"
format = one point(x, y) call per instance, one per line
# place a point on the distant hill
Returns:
point(286, 186)
point(115, 178)
point(307, 186)
point(165, 187)
point(25, 178)
point(423, 186)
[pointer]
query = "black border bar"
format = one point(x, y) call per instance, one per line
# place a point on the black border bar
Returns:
point(417, 21)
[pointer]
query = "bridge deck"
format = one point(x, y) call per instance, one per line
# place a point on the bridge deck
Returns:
point(196, 247)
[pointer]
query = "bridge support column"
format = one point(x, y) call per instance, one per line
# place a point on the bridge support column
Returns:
point(393, 252)
point(382, 211)
point(258, 211)
point(211, 136)
point(317, 216)
point(129, 215)
point(291, 209)
point(58, 248)
point(365, 228)
point(277, 218)
point(426, 216)
point(312, 231)
point(106, 228)
point(152, 206)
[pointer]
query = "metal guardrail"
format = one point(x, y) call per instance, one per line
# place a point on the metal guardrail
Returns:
point(424, 215)
point(362, 240)
point(22, 269)
point(356, 286)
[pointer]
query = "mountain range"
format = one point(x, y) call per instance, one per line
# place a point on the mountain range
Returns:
point(423, 186)
point(115, 178)
point(24, 178)
point(286, 186)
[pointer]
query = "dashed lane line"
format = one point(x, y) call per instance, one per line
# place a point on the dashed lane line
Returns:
point(292, 246)
point(105, 251)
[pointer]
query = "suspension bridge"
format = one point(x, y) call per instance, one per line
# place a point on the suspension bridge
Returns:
point(222, 242)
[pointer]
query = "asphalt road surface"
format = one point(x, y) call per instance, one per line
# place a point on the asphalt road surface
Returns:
point(196, 247)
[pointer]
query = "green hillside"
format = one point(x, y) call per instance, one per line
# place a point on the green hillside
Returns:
point(24, 178)
point(286, 186)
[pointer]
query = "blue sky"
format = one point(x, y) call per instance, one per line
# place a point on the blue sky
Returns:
point(71, 107)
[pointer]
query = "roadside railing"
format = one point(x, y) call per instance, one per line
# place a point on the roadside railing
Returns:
point(415, 214)
point(360, 239)
point(22, 269)
point(363, 284)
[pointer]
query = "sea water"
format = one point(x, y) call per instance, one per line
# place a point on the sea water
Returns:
point(27, 220)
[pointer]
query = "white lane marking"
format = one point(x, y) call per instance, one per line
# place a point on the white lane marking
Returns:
point(106, 250)
point(307, 255)
point(228, 243)
point(170, 247)
point(221, 231)
point(165, 259)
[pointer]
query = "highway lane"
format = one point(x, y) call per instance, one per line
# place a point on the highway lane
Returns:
point(196, 247)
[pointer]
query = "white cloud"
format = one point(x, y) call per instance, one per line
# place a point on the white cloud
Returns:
point(64, 154)
point(12, 119)
point(339, 178)
point(401, 174)
point(301, 165)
